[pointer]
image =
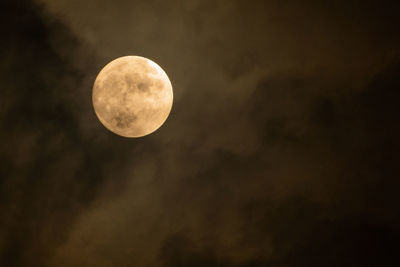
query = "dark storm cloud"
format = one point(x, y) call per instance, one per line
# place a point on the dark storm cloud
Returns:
point(49, 168)
point(280, 149)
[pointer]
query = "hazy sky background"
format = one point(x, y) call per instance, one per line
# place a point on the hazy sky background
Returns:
point(281, 148)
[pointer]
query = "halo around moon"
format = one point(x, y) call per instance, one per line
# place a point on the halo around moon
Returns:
point(132, 96)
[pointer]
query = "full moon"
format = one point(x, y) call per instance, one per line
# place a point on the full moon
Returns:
point(132, 96)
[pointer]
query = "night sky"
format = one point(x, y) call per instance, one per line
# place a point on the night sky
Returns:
point(281, 149)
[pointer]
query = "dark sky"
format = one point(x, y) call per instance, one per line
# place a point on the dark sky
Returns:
point(281, 149)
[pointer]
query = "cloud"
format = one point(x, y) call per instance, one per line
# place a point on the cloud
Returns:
point(280, 149)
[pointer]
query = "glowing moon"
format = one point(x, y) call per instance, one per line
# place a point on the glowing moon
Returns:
point(132, 96)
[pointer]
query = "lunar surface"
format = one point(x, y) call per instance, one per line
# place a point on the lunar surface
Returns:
point(132, 96)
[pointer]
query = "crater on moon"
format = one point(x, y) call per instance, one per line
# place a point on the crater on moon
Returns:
point(132, 96)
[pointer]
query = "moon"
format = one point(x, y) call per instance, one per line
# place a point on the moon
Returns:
point(132, 96)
